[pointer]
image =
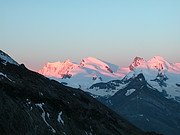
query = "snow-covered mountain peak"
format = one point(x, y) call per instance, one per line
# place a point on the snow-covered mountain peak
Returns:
point(57, 69)
point(153, 67)
point(159, 73)
point(158, 58)
point(91, 70)
point(137, 61)
point(156, 63)
point(159, 63)
point(91, 61)
point(4, 58)
point(100, 65)
point(67, 61)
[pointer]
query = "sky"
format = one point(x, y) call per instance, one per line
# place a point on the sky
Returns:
point(34, 32)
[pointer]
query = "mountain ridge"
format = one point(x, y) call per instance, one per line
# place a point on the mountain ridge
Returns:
point(157, 62)
point(5, 58)
point(156, 80)
point(91, 71)
point(145, 106)
point(33, 104)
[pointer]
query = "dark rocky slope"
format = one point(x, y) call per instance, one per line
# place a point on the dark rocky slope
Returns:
point(31, 104)
point(146, 107)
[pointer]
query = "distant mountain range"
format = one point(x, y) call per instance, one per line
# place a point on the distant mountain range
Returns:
point(147, 93)
point(84, 74)
point(159, 73)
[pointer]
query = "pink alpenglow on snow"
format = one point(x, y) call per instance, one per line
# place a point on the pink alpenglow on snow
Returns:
point(156, 63)
point(57, 69)
point(88, 67)
point(94, 67)
point(91, 71)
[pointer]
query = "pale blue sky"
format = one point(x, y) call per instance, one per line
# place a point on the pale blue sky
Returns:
point(36, 31)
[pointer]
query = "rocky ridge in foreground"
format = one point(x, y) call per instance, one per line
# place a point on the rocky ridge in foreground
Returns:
point(31, 104)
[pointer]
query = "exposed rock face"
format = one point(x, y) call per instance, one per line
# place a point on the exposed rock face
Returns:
point(31, 104)
point(137, 61)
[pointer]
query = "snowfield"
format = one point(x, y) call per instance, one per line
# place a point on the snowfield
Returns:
point(159, 73)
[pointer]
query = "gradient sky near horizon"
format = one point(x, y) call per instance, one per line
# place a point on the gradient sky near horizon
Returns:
point(34, 32)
